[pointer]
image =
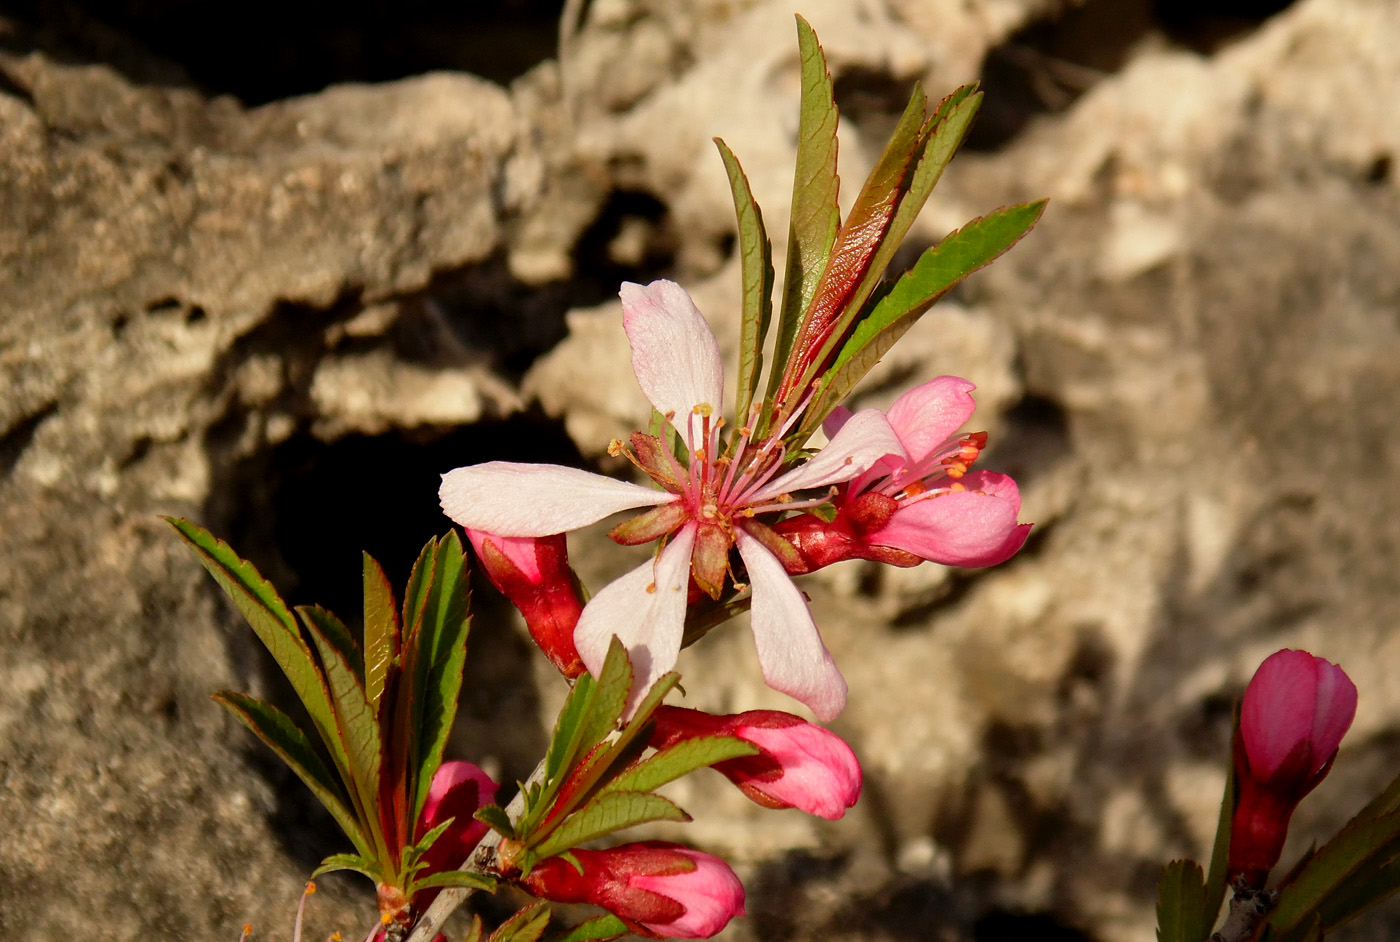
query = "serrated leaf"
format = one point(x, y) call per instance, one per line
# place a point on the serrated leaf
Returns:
point(937, 271)
point(1362, 852)
point(608, 812)
point(281, 735)
point(597, 929)
point(609, 698)
point(679, 760)
point(1218, 875)
point(495, 817)
point(756, 274)
point(857, 242)
point(443, 638)
point(413, 855)
point(348, 862)
point(917, 154)
point(1181, 903)
point(525, 926)
point(381, 630)
point(274, 625)
point(815, 212)
point(355, 723)
point(460, 878)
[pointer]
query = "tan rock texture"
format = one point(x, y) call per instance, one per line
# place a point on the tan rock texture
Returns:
point(285, 318)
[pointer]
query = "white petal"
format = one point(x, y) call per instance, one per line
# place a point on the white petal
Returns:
point(645, 609)
point(507, 498)
point(790, 649)
point(674, 352)
point(864, 439)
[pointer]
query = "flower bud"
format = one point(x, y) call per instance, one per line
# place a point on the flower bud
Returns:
point(534, 573)
point(799, 765)
point(657, 889)
point(458, 791)
point(1295, 712)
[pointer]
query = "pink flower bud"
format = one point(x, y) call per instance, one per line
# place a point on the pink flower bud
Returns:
point(533, 572)
point(1295, 712)
point(658, 889)
point(800, 765)
point(458, 790)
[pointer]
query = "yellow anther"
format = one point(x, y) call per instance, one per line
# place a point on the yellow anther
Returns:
point(310, 887)
point(651, 588)
point(386, 918)
point(615, 447)
point(703, 409)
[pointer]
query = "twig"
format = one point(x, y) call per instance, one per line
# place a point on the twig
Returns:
point(1247, 906)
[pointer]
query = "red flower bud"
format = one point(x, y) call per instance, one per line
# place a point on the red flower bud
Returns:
point(658, 889)
point(800, 765)
point(534, 573)
point(1295, 712)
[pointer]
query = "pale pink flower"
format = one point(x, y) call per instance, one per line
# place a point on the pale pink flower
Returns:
point(800, 764)
point(1296, 710)
point(657, 889)
point(704, 508)
point(921, 501)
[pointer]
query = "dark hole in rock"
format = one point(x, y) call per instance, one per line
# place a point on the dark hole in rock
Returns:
point(1044, 67)
point(304, 510)
point(263, 50)
point(1003, 926)
point(1206, 25)
point(1035, 438)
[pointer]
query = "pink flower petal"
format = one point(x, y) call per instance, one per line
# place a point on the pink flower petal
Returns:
point(790, 649)
point(864, 439)
point(711, 894)
point(674, 352)
point(927, 415)
point(970, 528)
point(1279, 705)
point(645, 609)
point(820, 772)
point(508, 498)
point(1336, 707)
point(522, 551)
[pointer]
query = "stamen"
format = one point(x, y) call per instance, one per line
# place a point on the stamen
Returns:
point(247, 931)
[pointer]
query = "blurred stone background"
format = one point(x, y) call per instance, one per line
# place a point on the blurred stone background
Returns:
point(277, 267)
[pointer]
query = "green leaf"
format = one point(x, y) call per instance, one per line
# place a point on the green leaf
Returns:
point(756, 268)
point(1181, 903)
point(443, 683)
point(681, 759)
point(815, 213)
point(937, 271)
point(1356, 865)
point(860, 237)
point(568, 728)
point(348, 862)
point(609, 698)
point(334, 632)
point(381, 630)
point(461, 878)
point(474, 930)
point(594, 930)
point(274, 625)
point(412, 856)
point(1218, 876)
point(525, 926)
point(608, 812)
point(495, 817)
point(355, 723)
point(282, 736)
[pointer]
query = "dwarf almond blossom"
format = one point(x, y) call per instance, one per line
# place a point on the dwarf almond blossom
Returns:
point(657, 889)
point(707, 503)
point(1296, 710)
point(799, 765)
point(920, 501)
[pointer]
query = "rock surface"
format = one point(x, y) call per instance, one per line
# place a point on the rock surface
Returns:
point(284, 321)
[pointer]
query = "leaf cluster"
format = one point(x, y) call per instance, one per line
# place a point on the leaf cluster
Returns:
point(837, 317)
point(381, 707)
point(595, 780)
